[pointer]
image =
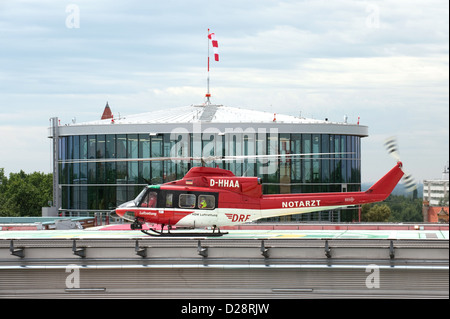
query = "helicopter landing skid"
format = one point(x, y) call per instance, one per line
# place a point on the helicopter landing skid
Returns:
point(181, 234)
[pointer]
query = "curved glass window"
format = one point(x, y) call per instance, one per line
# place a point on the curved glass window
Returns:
point(89, 182)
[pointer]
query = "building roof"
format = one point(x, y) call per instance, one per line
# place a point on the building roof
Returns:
point(205, 113)
point(107, 114)
point(434, 212)
point(209, 116)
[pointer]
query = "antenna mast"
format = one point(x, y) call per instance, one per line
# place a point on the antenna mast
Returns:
point(208, 95)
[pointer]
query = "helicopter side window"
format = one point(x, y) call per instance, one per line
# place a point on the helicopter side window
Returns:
point(149, 200)
point(187, 200)
point(206, 202)
point(169, 200)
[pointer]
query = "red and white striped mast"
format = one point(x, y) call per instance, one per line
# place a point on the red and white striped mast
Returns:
point(208, 95)
point(212, 37)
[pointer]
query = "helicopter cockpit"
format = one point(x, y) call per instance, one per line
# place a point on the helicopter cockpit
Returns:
point(149, 200)
point(152, 197)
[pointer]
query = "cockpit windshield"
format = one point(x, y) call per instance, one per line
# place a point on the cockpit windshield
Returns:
point(149, 200)
point(139, 197)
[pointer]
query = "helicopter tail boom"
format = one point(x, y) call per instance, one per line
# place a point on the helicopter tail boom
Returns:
point(286, 204)
point(387, 183)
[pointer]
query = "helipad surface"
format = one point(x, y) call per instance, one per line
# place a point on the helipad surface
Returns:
point(237, 234)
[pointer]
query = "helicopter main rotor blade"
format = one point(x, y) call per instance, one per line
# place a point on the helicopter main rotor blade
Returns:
point(205, 159)
point(392, 148)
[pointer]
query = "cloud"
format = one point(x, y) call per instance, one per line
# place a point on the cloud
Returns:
point(385, 61)
point(25, 148)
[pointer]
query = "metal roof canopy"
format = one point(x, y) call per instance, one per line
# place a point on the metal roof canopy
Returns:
point(198, 118)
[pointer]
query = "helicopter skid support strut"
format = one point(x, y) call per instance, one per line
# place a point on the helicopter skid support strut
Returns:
point(156, 233)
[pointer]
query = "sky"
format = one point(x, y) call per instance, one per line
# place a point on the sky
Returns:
point(386, 62)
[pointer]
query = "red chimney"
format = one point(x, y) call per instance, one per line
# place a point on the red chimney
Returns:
point(107, 114)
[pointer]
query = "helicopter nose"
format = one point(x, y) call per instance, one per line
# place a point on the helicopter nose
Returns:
point(119, 212)
point(125, 213)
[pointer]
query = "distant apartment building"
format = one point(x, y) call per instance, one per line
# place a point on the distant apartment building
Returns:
point(435, 198)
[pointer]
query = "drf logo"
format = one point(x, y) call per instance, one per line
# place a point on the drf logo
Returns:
point(238, 218)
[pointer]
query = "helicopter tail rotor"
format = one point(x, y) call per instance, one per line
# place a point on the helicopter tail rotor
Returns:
point(392, 148)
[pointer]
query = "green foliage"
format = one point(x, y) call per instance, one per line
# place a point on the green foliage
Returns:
point(444, 201)
point(24, 194)
point(401, 209)
point(405, 209)
point(375, 213)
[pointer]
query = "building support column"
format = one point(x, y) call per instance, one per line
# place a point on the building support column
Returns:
point(54, 135)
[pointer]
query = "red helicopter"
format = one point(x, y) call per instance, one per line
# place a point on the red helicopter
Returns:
point(215, 197)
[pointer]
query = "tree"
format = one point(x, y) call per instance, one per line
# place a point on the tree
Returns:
point(24, 194)
point(402, 209)
point(375, 213)
point(3, 196)
point(444, 201)
point(405, 209)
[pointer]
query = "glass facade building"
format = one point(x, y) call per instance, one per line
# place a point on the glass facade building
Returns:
point(100, 165)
